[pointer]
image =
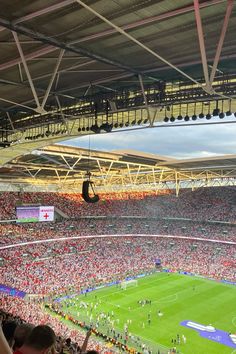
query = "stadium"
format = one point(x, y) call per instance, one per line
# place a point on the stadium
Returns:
point(117, 250)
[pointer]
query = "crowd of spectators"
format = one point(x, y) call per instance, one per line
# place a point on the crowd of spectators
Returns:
point(41, 268)
point(17, 313)
point(16, 233)
point(47, 269)
point(128, 246)
point(203, 204)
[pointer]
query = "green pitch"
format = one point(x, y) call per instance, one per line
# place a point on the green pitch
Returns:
point(177, 297)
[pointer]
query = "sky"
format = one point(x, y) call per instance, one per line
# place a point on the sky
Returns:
point(177, 142)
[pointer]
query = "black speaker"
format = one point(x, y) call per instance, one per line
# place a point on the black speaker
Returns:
point(85, 193)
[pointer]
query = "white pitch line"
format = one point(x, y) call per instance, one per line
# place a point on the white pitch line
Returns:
point(234, 321)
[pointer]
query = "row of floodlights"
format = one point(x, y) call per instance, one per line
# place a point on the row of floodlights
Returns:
point(107, 127)
point(46, 134)
point(216, 113)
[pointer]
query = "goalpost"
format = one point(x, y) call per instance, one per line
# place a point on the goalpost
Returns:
point(128, 283)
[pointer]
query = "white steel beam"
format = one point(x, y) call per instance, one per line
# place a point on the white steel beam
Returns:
point(35, 54)
point(16, 104)
point(230, 4)
point(20, 72)
point(62, 113)
point(9, 118)
point(202, 44)
point(120, 30)
point(41, 12)
point(38, 108)
point(144, 97)
point(74, 66)
point(52, 78)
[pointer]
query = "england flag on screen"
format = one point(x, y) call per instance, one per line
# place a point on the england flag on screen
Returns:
point(46, 213)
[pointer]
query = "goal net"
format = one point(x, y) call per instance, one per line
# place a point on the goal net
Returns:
point(128, 283)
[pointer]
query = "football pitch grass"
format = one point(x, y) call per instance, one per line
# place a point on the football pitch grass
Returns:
point(178, 298)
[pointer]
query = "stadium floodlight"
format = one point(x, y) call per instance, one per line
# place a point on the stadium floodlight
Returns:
point(216, 112)
point(107, 127)
point(47, 133)
point(186, 118)
point(221, 115)
point(194, 116)
point(5, 144)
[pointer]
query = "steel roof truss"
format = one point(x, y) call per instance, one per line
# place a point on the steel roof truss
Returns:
point(144, 98)
point(32, 174)
point(209, 79)
point(202, 45)
point(221, 40)
point(58, 62)
point(120, 30)
point(38, 108)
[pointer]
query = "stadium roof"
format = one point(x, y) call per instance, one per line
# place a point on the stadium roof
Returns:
point(64, 168)
point(69, 66)
point(73, 67)
point(90, 51)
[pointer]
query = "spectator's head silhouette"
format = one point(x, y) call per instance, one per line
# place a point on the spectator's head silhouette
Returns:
point(21, 333)
point(8, 328)
point(41, 340)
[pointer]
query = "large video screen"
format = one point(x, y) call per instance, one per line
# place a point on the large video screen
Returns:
point(34, 213)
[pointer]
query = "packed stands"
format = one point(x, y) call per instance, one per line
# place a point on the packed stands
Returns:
point(41, 268)
point(195, 205)
point(120, 236)
point(70, 339)
point(16, 233)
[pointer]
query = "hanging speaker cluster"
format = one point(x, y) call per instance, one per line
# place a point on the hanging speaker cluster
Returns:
point(85, 192)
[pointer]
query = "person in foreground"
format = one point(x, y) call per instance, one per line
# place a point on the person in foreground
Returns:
point(41, 340)
point(4, 347)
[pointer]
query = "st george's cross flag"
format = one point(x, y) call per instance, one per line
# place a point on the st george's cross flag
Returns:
point(46, 213)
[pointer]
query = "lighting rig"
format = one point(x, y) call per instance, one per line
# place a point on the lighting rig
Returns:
point(103, 112)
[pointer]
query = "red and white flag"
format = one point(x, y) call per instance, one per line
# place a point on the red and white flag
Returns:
point(46, 213)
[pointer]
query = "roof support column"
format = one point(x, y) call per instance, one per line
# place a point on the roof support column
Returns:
point(202, 44)
point(39, 108)
point(144, 96)
point(229, 9)
point(62, 114)
point(62, 51)
point(177, 184)
point(9, 118)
